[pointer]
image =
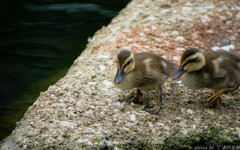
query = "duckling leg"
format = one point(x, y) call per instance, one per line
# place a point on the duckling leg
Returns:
point(155, 109)
point(134, 97)
point(219, 102)
point(172, 92)
point(216, 97)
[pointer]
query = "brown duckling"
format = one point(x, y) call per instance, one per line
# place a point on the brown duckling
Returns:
point(215, 70)
point(143, 71)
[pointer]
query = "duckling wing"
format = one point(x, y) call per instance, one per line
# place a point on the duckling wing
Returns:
point(151, 70)
point(223, 68)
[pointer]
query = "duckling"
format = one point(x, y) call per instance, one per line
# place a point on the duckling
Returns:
point(218, 70)
point(143, 71)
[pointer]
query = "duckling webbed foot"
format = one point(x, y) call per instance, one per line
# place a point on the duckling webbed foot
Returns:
point(154, 109)
point(135, 98)
point(215, 99)
point(214, 104)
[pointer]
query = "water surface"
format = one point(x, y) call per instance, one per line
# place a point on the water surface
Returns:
point(39, 40)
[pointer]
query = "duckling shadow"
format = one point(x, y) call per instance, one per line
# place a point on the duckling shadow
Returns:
point(147, 98)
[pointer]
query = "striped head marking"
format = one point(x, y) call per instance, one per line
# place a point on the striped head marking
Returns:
point(191, 60)
point(125, 64)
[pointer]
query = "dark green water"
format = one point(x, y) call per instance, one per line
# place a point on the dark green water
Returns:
point(39, 40)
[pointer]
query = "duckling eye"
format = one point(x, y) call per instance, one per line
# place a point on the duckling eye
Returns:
point(128, 63)
point(192, 60)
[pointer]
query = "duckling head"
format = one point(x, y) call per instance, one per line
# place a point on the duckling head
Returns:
point(125, 64)
point(191, 60)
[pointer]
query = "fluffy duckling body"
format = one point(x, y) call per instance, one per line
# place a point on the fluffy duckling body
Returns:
point(215, 70)
point(143, 71)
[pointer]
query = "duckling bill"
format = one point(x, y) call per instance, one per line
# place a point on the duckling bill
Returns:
point(143, 71)
point(215, 70)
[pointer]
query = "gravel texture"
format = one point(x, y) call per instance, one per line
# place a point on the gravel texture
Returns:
point(83, 111)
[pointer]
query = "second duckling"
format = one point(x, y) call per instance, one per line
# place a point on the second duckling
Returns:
point(215, 70)
point(143, 71)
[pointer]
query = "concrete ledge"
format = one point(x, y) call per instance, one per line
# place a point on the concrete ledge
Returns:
point(82, 109)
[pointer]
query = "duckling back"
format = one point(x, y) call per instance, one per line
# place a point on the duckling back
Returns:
point(151, 71)
point(224, 69)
